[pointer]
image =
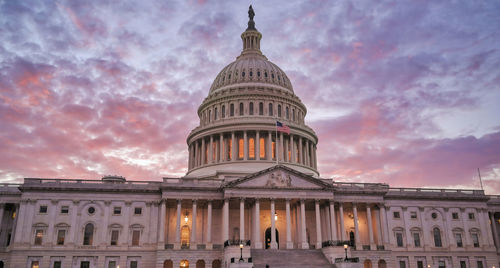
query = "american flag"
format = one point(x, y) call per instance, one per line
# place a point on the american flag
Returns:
point(282, 127)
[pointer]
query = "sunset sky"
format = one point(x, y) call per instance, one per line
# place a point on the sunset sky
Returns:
point(401, 92)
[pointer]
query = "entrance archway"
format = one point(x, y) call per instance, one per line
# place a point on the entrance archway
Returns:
point(1, 264)
point(216, 264)
point(367, 264)
point(200, 264)
point(268, 237)
point(168, 264)
point(184, 264)
point(185, 236)
point(382, 264)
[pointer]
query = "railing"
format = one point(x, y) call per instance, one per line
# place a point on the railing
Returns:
point(436, 190)
point(340, 260)
point(361, 185)
point(236, 243)
point(66, 181)
point(337, 243)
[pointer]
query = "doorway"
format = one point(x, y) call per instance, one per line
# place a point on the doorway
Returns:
point(268, 238)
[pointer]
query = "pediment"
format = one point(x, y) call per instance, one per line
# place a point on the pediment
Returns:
point(279, 177)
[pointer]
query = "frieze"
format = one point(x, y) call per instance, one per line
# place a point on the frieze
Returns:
point(278, 179)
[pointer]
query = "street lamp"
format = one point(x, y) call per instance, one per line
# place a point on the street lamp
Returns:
point(345, 248)
point(241, 252)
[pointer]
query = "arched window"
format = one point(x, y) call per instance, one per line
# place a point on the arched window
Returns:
point(261, 108)
point(223, 111)
point(209, 115)
point(215, 114)
point(231, 109)
point(241, 108)
point(270, 109)
point(251, 108)
point(88, 234)
point(287, 113)
point(293, 114)
point(279, 110)
point(437, 237)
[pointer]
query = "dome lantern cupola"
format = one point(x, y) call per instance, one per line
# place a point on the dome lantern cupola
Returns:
point(251, 37)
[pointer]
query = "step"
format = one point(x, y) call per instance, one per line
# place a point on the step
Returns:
point(281, 258)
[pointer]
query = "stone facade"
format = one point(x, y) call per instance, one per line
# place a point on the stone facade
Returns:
point(252, 196)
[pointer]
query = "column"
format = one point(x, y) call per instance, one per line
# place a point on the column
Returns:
point(307, 158)
point(333, 221)
point(245, 145)
point(370, 226)
point(209, 224)
point(161, 238)
point(258, 243)
point(242, 219)
point(2, 205)
point(380, 240)
point(494, 227)
point(305, 245)
point(281, 150)
point(52, 217)
point(225, 221)
point(233, 147)
point(217, 153)
point(483, 216)
point(211, 150)
point(190, 166)
point(192, 244)
point(202, 151)
point(341, 216)
point(318, 225)
point(270, 145)
point(293, 149)
point(221, 148)
point(301, 151)
point(72, 230)
point(289, 243)
point(257, 145)
point(177, 244)
point(274, 245)
point(356, 227)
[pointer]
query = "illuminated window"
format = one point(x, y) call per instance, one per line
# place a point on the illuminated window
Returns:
point(60, 237)
point(229, 148)
point(251, 148)
point(38, 237)
point(274, 149)
point(35, 264)
point(262, 148)
point(214, 149)
point(241, 148)
point(270, 109)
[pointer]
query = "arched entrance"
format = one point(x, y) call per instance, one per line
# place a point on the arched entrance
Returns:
point(185, 236)
point(200, 264)
point(184, 264)
point(382, 264)
point(367, 264)
point(268, 237)
point(168, 264)
point(1, 264)
point(216, 264)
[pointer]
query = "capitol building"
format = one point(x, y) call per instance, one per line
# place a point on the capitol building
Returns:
point(252, 197)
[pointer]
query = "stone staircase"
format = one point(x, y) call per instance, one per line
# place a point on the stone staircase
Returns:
point(289, 258)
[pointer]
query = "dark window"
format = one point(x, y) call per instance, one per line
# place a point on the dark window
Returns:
point(270, 109)
point(215, 114)
point(135, 237)
point(209, 115)
point(258, 73)
point(475, 240)
point(38, 237)
point(399, 239)
point(441, 264)
point(223, 111)
point(480, 264)
point(287, 113)
point(117, 210)
point(57, 264)
point(133, 264)
point(471, 216)
point(463, 264)
point(402, 264)
point(261, 108)
point(114, 237)
point(458, 237)
point(243, 74)
point(231, 109)
point(137, 211)
point(279, 110)
point(91, 210)
point(241, 108)
point(420, 264)
point(64, 210)
point(437, 237)
point(396, 214)
point(43, 209)
point(272, 76)
point(293, 114)
point(265, 74)
point(434, 215)
point(61, 234)
point(251, 73)
point(88, 234)
point(251, 108)
point(85, 264)
point(112, 264)
point(454, 216)
point(416, 239)
point(413, 214)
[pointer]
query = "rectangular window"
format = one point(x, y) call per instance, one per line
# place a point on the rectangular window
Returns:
point(137, 211)
point(458, 237)
point(117, 210)
point(475, 240)
point(399, 239)
point(463, 264)
point(38, 237)
point(241, 149)
point(441, 264)
point(413, 214)
point(273, 148)
point(85, 264)
point(35, 264)
point(61, 234)
point(480, 264)
point(64, 210)
point(114, 237)
point(416, 239)
point(471, 216)
point(251, 148)
point(135, 237)
point(43, 209)
point(57, 264)
point(396, 215)
point(262, 147)
point(112, 264)
point(420, 264)
point(229, 148)
point(402, 264)
point(454, 215)
point(133, 264)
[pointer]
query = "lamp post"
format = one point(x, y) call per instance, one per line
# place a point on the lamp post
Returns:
point(345, 248)
point(241, 252)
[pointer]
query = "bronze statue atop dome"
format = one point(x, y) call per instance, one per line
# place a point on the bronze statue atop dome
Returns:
point(251, 14)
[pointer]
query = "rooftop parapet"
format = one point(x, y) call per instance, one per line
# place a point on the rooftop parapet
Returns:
point(96, 185)
point(431, 193)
